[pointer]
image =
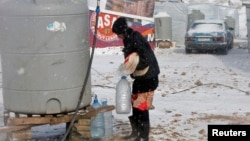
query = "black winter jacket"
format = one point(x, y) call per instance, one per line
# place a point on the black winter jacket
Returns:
point(135, 42)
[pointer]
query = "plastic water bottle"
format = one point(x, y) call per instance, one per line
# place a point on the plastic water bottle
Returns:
point(108, 119)
point(97, 122)
point(123, 96)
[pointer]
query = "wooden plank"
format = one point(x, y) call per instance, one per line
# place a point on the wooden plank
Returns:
point(28, 120)
point(38, 120)
point(91, 112)
point(106, 108)
point(82, 127)
point(85, 134)
point(84, 122)
point(20, 123)
point(56, 120)
point(21, 135)
point(12, 128)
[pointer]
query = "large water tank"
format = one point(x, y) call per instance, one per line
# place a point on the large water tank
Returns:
point(45, 54)
point(163, 26)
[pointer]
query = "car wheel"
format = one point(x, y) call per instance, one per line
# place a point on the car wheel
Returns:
point(231, 45)
point(188, 51)
point(221, 50)
point(224, 50)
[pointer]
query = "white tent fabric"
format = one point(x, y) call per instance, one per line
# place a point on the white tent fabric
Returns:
point(217, 12)
point(179, 13)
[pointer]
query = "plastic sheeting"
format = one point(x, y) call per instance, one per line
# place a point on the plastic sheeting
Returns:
point(248, 23)
point(180, 11)
point(218, 12)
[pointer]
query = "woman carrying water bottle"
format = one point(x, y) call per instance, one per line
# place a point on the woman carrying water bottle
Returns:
point(142, 66)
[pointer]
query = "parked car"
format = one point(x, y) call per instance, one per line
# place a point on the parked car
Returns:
point(205, 35)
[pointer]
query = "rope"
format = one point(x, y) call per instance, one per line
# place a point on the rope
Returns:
point(87, 74)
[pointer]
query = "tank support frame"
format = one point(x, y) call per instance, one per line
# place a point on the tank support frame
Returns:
point(18, 126)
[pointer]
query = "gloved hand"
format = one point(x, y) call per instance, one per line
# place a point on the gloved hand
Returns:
point(122, 71)
point(129, 65)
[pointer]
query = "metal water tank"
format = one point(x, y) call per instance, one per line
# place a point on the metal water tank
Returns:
point(195, 15)
point(163, 26)
point(45, 54)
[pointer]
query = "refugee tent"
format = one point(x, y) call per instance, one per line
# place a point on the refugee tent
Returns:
point(142, 15)
point(180, 14)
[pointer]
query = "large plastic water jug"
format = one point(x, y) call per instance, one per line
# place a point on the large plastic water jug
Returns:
point(123, 96)
point(108, 119)
point(97, 122)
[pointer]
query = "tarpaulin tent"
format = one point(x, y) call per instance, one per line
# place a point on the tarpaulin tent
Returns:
point(229, 14)
point(142, 13)
point(180, 12)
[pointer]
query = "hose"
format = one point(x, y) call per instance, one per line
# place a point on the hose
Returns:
point(87, 74)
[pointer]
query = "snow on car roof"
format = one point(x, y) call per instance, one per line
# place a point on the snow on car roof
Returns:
point(209, 21)
point(207, 26)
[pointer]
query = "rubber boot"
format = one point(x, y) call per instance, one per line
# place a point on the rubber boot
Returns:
point(134, 126)
point(143, 132)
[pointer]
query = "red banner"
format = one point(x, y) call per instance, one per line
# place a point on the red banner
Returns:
point(105, 36)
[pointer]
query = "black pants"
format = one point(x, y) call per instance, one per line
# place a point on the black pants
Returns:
point(142, 116)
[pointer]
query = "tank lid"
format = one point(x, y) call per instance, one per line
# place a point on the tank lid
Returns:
point(104, 102)
point(123, 77)
point(96, 102)
point(42, 7)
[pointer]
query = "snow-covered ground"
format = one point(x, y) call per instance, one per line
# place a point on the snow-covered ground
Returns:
point(195, 90)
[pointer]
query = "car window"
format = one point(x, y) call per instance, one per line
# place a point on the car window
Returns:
point(207, 27)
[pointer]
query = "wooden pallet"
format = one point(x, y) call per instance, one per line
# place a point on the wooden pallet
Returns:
point(165, 43)
point(18, 126)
